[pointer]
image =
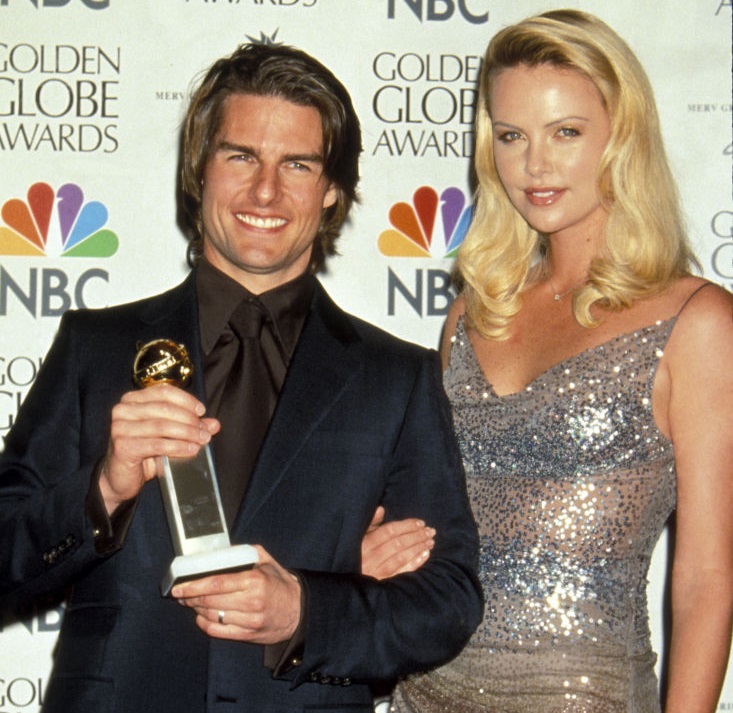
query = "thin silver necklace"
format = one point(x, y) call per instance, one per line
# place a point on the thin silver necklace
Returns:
point(559, 295)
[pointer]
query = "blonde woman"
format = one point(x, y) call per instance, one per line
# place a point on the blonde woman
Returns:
point(591, 380)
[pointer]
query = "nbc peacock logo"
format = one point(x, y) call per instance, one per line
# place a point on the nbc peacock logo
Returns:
point(413, 232)
point(56, 223)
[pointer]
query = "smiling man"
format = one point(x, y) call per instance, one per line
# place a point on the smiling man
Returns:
point(264, 191)
point(315, 419)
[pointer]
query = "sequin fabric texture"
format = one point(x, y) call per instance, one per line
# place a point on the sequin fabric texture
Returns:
point(571, 484)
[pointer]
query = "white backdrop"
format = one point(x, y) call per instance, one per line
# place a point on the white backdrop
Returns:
point(91, 96)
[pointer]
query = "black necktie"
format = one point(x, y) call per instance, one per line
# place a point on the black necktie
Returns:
point(248, 401)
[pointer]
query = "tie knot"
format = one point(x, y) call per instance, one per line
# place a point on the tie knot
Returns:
point(247, 319)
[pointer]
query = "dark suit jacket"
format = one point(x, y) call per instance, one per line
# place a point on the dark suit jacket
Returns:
point(362, 420)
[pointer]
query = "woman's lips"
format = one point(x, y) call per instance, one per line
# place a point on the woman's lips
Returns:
point(543, 196)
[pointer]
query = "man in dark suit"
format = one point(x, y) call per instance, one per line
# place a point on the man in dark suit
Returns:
point(329, 418)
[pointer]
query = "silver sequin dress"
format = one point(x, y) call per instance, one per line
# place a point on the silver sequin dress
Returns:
point(571, 484)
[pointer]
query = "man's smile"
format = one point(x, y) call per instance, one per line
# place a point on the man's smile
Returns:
point(256, 221)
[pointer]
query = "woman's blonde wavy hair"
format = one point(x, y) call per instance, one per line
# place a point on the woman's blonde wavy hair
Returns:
point(646, 245)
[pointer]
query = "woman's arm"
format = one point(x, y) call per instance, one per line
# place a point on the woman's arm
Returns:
point(404, 546)
point(699, 369)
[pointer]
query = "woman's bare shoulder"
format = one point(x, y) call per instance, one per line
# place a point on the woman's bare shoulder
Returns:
point(702, 338)
point(706, 305)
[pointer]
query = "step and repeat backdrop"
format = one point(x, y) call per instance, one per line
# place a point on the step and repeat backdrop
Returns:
point(92, 93)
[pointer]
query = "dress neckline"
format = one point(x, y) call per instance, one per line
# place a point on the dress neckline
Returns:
point(563, 362)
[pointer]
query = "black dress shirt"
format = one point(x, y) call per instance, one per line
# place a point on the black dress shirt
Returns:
point(284, 309)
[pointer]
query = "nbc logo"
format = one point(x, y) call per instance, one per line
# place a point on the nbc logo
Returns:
point(78, 230)
point(413, 226)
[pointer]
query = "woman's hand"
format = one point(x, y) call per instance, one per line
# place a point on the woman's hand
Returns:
point(395, 547)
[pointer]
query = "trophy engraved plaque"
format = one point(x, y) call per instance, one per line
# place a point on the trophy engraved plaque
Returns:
point(189, 486)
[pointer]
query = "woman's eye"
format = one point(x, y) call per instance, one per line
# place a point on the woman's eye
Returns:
point(568, 132)
point(508, 136)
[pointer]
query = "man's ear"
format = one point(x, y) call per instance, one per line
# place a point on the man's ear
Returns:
point(331, 196)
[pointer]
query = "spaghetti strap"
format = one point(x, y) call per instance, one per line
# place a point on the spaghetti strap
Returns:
point(687, 301)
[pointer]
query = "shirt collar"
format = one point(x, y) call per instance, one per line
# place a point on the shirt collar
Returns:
point(218, 296)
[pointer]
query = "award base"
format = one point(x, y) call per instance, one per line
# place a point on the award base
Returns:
point(202, 564)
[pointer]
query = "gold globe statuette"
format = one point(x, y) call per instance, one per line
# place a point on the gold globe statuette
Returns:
point(191, 497)
point(162, 361)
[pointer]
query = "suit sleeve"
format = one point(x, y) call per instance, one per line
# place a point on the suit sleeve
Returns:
point(358, 628)
point(46, 534)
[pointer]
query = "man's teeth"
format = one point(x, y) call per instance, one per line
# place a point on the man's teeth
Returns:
point(257, 222)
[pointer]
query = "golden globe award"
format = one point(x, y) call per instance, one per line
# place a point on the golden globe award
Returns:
point(189, 486)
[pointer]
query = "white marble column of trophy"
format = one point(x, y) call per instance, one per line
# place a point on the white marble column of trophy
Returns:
point(189, 486)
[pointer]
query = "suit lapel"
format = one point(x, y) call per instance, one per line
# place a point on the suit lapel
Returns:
point(326, 359)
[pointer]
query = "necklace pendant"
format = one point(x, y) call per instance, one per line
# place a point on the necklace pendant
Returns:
point(558, 297)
